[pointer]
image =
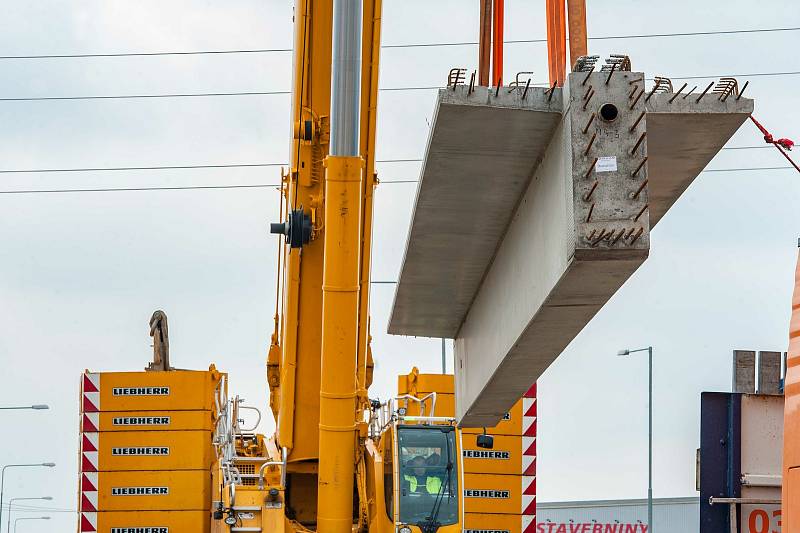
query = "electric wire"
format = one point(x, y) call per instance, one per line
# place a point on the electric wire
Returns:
point(276, 185)
point(276, 93)
point(226, 165)
point(387, 46)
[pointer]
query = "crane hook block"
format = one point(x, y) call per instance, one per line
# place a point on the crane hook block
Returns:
point(297, 228)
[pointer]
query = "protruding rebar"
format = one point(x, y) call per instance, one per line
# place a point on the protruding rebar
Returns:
point(591, 168)
point(638, 143)
point(499, 84)
point(685, 96)
point(552, 91)
point(589, 146)
point(589, 216)
point(613, 68)
point(599, 237)
point(588, 92)
point(621, 233)
point(527, 86)
point(591, 119)
point(743, 89)
point(591, 191)
point(652, 92)
point(638, 234)
point(633, 174)
point(587, 76)
point(710, 85)
point(638, 216)
point(586, 103)
point(678, 93)
point(637, 99)
point(640, 189)
point(630, 94)
point(591, 234)
point(471, 83)
point(638, 120)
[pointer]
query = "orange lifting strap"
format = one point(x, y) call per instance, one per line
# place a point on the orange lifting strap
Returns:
point(556, 37)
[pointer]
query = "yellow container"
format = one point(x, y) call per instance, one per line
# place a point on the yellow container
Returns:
point(510, 425)
point(494, 494)
point(504, 458)
point(145, 522)
point(426, 383)
point(149, 391)
point(147, 421)
point(187, 490)
point(146, 450)
point(495, 523)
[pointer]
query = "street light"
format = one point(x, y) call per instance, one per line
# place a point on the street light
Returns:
point(12, 500)
point(649, 351)
point(3, 480)
point(31, 518)
point(36, 407)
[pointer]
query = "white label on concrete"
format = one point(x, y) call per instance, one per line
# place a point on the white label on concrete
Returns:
point(607, 164)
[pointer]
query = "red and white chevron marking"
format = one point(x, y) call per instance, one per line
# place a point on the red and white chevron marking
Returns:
point(89, 481)
point(90, 392)
point(90, 456)
point(90, 422)
point(529, 419)
point(528, 524)
point(88, 522)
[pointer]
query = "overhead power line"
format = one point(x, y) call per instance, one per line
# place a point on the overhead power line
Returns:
point(399, 45)
point(267, 185)
point(224, 165)
point(273, 93)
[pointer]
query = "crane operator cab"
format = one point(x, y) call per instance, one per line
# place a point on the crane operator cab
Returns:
point(427, 475)
point(415, 458)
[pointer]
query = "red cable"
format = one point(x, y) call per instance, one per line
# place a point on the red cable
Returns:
point(781, 144)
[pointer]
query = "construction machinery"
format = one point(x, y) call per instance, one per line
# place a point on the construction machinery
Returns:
point(341, 461)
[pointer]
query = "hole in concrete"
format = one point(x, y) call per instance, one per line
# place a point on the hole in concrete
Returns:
point(609, 112)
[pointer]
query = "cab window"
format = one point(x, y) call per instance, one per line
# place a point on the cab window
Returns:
point(428, 475)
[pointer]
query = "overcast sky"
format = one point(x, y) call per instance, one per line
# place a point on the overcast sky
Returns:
point(80, 274)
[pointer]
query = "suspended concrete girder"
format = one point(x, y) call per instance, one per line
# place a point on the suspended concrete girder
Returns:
point(532, 212)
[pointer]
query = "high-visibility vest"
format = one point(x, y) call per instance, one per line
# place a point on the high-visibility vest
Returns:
point(432, 484)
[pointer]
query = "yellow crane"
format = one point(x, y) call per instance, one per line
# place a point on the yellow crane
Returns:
point(338, 461)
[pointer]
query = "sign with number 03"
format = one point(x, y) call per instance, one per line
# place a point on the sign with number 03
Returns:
point(761, 519)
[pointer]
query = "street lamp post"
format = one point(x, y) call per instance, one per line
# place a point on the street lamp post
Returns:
point(3, 480)
point(18, 520)
point(35, 407)
point(649, 351)
point(12, 500)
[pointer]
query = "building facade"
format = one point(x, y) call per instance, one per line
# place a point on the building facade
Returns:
point(670, 515)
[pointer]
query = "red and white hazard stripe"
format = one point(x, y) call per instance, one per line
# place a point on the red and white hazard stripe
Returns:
point(529, 419)
point(90, 456)
point(90, 422)
point(90, 392)
point(88, 522)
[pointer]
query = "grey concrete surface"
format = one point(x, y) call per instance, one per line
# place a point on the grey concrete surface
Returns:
point(480, 157)
point(684, 136)
point(531, 214)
